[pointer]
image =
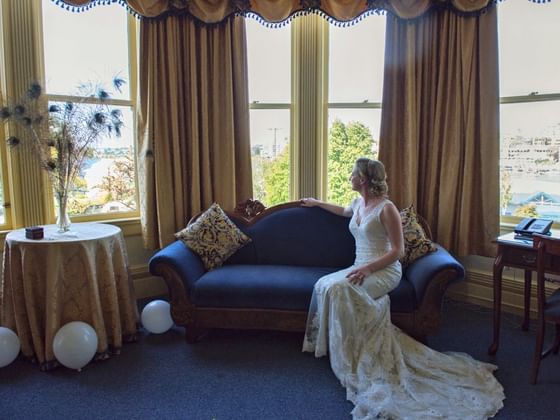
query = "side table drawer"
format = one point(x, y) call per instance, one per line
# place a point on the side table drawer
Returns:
point(526, 258)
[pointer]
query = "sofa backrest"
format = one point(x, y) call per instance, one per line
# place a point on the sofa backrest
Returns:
point(301, 236)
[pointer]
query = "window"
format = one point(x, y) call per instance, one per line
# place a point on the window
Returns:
point(99, 49)
point(354, 103)
point(355, 92)
point(269, 65)
point(529, 110)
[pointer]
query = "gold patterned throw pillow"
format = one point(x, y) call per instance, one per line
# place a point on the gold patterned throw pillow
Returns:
point(213, 236)
point(416, 244)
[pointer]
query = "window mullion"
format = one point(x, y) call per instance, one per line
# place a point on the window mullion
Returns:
point(355, 105)
point(258, 105)
point(309, 98)
point(89, 100)
point(530, 98)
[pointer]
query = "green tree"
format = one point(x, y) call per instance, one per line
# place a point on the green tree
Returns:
point(276, 174)
point(119, 182)
point(78, 201)
point(527, 210)
point(506, 194)
point(346, 144)
point(258, 163)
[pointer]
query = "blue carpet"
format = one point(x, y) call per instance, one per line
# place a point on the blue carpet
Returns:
point(255, 375)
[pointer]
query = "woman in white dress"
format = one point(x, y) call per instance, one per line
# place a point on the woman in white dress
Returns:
point(387, 374)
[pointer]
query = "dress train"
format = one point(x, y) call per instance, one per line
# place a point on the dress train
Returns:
point(386, 373)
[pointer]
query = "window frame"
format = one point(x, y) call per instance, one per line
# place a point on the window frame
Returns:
point(302, 171)
point(257, 105)
point(28, 195)
point(507, 223)
point(132, 38)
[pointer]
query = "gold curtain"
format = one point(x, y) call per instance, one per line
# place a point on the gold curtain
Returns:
point(212, 11)
point(440, 125)
point(194, 146)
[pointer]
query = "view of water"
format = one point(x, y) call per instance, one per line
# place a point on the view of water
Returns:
point(525, 185)
point(93, 172)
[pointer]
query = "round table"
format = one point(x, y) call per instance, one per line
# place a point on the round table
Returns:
point(79, 275)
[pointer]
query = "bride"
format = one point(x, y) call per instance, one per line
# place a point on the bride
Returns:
point(386, 373)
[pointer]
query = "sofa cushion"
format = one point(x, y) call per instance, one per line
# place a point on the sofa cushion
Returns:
point(301, 236)
point(213, 236)
point(258, 286)
point(416, 244)
point(275, 287)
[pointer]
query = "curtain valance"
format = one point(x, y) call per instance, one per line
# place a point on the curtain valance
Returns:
point(278, 11)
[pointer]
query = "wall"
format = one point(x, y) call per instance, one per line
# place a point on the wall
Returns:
point(478, 287)
point(145, 284)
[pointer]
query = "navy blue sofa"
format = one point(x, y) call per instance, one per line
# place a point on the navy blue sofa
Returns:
point(268, 283)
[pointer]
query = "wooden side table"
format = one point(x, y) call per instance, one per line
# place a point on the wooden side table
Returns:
point(80, 275)
point(517, 254)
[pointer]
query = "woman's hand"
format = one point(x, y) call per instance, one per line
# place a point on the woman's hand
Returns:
point(309, 202)
point(333, 208)
point(357, 275)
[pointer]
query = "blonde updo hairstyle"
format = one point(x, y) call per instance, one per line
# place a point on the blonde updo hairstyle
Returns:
point(374, 173)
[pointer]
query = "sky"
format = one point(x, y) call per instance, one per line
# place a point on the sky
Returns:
point(355, 73)
point(529, 62)
point(84, 47)
point(529, 52)
point(88, 47)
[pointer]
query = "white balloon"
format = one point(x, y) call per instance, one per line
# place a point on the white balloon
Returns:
point(9, 346)
point(75, 344)
point(156, 316)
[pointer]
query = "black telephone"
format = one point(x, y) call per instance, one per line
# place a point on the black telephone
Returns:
point(529, 225)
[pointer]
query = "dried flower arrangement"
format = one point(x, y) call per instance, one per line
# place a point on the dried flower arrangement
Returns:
point(62, 135)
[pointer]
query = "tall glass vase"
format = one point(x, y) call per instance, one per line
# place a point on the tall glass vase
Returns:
point(62, 220)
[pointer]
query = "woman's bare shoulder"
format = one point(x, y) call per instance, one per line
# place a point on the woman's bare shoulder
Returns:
point(389, 208)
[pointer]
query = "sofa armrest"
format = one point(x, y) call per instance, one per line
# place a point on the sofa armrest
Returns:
point(181, 261)
point(422, 271)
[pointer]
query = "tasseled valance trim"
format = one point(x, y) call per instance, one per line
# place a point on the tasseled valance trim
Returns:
point(243, 8)
point(94, 3)
point(319, 12)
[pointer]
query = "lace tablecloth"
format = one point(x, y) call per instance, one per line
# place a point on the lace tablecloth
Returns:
point(80, 275)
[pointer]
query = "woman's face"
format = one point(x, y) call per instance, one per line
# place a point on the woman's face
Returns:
point(355, 180)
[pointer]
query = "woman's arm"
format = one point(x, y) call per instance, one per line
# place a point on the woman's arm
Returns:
point(391, 219)
point(333, 208)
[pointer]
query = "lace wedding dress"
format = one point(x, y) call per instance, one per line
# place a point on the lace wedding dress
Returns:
point(386, 373)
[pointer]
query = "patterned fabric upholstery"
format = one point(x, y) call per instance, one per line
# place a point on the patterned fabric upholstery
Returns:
point(213, 236)
point(416, 244)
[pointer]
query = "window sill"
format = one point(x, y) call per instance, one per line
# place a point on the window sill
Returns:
point(130, 227)
point(506, 228)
